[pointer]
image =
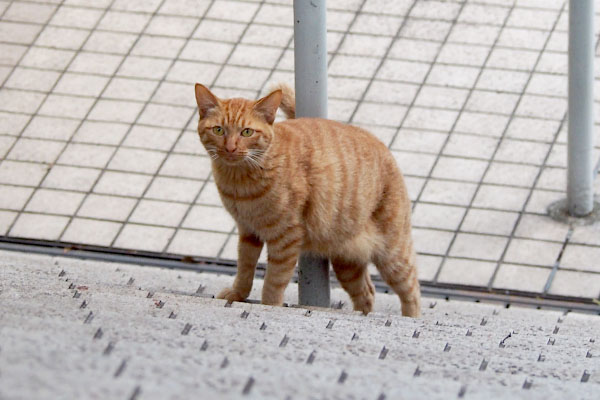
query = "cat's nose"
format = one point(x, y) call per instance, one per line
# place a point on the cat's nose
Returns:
point(230, 149)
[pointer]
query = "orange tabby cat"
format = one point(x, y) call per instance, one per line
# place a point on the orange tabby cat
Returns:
point(312, 185)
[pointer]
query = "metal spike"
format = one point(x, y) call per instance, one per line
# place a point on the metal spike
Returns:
point(527, 384)
point(551, 341)
point(172, 315)
point(329, 324)
point(283, 341)
point(469, 333)
point(388, 323)
point(130, 281)
point(383, 353)
point(83, 304)
point(586, 376)
point(160, 304)
point(342, 377)
point(204, 346)
point(588, 354)
point(560, 320)
point(71, 285)
point(432, 304)
point(483, 321)
point(224, 363)
point(121, 368)
point(592, 340)
point(89, 318)
point(381, 396)
point(244, 314)
point(136, 393)
point(200, 289)
point(228, 304)
point(263, 327)
point(417, 372)
point(109, 348)
point(541, 358)
point(76, 295)
point(447, 347)
point(555, 330)
point(416, 334)
point(248, 386)
point(62, 273)
point(311, 357)
point(462, 391)
point(308, 313)
point(186, 329)
point(495, 312)
point(483, 365)
point(354, 337)
point(98, 334)
point(150, 295)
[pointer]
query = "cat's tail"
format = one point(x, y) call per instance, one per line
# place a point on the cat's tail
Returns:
point(288, 101)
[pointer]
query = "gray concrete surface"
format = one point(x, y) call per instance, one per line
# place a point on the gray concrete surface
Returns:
point(92, 330)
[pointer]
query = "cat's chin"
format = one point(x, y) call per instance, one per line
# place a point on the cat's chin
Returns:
point(231, 160)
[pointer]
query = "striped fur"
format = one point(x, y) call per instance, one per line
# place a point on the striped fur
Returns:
point(311, 185)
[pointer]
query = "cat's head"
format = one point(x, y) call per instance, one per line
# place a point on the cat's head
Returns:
point(236, 131)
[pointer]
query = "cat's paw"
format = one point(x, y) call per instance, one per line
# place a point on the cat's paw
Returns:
point(230, 294)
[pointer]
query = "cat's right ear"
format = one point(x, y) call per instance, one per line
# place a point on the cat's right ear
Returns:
point(205, 99)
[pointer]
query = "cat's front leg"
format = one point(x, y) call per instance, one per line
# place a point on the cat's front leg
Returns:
point(282, 256)
point(249, 248)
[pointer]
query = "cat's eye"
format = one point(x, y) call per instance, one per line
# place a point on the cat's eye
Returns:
point(217, 130)
point(247, 132)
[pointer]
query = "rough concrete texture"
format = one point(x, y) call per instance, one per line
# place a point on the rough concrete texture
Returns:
point(81, 329)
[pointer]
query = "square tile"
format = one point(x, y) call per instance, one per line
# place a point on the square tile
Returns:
point(46, 58)
point(206, 51)
point(122, 184)
point(189, 71)
point(95, 63)
point(586, 235)
point(85, 155)
point(6, 143)
point(532, 129)
point(414, 49)
point(144, 6)
point(515, 59)
point(430, 119)
point(106, 207)
point(62, 38)
point(420, 141)
point(210, 195)
point(437, 216)
point(581, 257)
point(156, 46)
point(148, 238)
point(414, 186)
point(463, 54)
point(75, 17)
point(88, 231)
point(402, 71)
point(541, 227)
point(209, 219)
point(10, 54)
point(137, 160)
point(260, 34)
point(502, 81)
point(58, 105)
point(436, 10)
point(124, 21)
point(32, 79)
point(553, 63)
point(446, 192)
point(376, 24)
point(431, 241)
point(528, 18)
point(471, 146)
point(109, 133)
point(412, 164)
point(153, 212)
point(532, 252)
point(511, 174)
point(254, 56)
point(466, 33)
point(459, 169)
point(441, 97)
point(35, 150)
point(81, 84)
point(379, 114)
point(428, 267)
point(484, 14)
point(174, 189)
point(501, 197)
point(29, 12)
point(22, 173)
point(242, 78)
point(522, 151)
point(171, 26)
point(12, 124)
point(166, 116)
point(466, 272)
point(47, 201)
point(151, 138)
point(234, 10)
point(391, 92)
point(19, 101)
point(494, 102)
point(226, 31)
point(567, 283)
point(548, 85)
point(424, 29)
point(174, 94)
point(144, 67)
point(352, 66)
point(481, 123)
point(517, 277)
point(489, 221)
point(481, 247)
point(14, 197)
point(116, 111)
point(454, 76)
point(522, 38)
point(110, 42)
point(130, 89)
point(345, 88)
point(188, 8)
point(357, 44)
point(541, 199)
point(15, 32)
point(37, 226)
point(71, 178)
point(6, 219)
point(186, 166)
point(197, 243)
point(552, 179)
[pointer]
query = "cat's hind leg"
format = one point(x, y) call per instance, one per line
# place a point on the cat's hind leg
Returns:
point(398, 269)
point(354, 278)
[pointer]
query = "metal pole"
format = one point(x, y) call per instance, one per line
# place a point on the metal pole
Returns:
point(580, 173)
point(310, 64)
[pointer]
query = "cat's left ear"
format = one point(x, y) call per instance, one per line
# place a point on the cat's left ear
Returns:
point(267, 106)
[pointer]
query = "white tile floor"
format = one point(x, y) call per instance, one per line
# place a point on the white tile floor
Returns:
point(97, 121)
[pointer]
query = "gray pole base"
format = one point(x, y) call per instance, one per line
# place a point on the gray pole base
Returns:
point(559, 211)
point(313, 281)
